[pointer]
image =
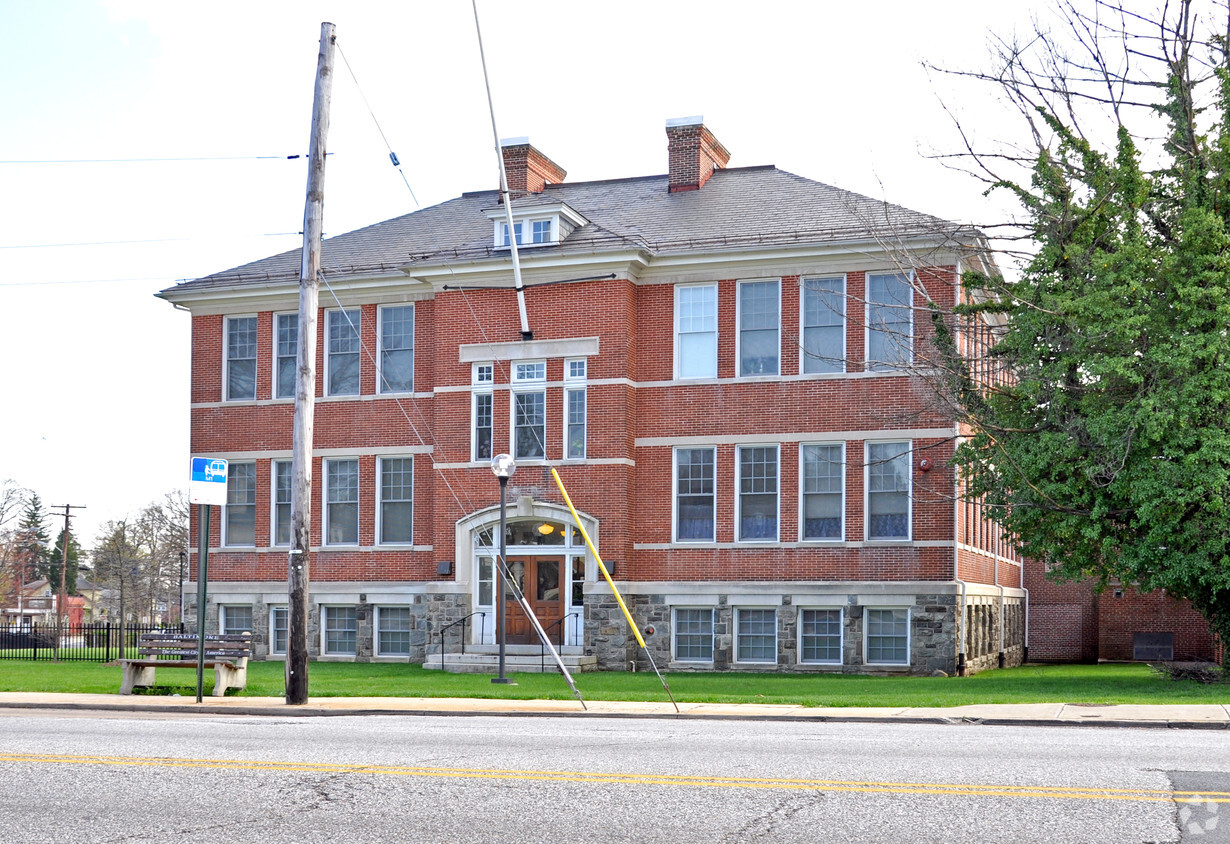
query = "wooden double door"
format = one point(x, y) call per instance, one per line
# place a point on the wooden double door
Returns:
point(541, 579)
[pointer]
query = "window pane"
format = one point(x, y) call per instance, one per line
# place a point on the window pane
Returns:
point(888, 636)
point(342, 501)
point(287, 352)
point(757, 493)
point(397, 349)
point(482, 426)
point(394, 630)
point(578, 581)
point(281, 502)
point(240, 358)
point(241, 504)
point(823, 325)
point(542, 231)
point(343, 353)
point(821, 635)
point(341, 630)
point(694, 493)
point(757, 640)
point(530, 425)
point(280, 622)
point(396, 499)
point(576, 424)
point(694, 634)
point(696, 331)
point(485, 590)
point(822, 491)
point(889, 321)
point(759, 327)
point(888, 491)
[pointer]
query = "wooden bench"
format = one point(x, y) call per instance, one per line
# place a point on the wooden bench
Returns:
point(226, 653)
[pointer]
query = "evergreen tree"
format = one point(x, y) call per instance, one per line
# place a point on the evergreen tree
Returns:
point(31, 541)
point(52, 563)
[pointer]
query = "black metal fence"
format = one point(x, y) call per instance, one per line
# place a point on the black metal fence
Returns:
point(97, 642)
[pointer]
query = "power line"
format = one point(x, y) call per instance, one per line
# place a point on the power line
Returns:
point(149, 160)
point(131, 242)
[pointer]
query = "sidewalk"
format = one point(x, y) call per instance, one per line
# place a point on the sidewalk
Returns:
point(1180, 716)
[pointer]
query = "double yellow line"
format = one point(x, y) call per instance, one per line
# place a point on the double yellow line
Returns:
point(616, 778)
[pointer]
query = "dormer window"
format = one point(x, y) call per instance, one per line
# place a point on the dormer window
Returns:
point(535, 223)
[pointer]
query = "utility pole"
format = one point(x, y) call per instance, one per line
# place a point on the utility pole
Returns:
point(298, 576)
point(62, 600)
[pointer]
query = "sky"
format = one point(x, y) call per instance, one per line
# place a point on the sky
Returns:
point(145, 143)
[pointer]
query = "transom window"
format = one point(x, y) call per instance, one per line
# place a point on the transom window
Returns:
point(287, 330)
point(694, 494)
point(397, 349)
point(888, 490)
point(530, 371)
point(823, 475)
point(759, 327)
point(758, 493)
point(240, 358)
point(696, 331)
point(820, 636)
point(343, 352)
point(693, 634)
point(824, 325)
point(890, 321)
point(484, 373)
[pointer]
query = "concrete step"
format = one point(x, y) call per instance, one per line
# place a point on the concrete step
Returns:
point(520, 663)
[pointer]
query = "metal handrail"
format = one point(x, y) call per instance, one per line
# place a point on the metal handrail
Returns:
point(462, 622)
point(542, 656)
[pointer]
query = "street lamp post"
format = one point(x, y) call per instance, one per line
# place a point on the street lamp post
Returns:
point(503, 466)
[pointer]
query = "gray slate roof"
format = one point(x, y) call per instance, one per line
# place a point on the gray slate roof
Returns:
point(737, 207)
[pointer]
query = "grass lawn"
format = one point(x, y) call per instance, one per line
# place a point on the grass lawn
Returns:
point(1129, 683)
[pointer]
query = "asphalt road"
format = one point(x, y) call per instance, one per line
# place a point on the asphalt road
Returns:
point(110, 778)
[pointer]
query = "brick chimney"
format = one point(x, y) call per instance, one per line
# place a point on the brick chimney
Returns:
point(528, 170)
point(694, 153)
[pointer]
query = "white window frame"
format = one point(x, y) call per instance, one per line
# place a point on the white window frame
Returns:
point(739, 288)
point(867, 635)
point(273, 628)
point(841, 635)
point(327, 505)
point(739, 658)
point(474, 397)
point(380, 499)
point(576, 372)
point(525, 384)
point(739, 494)
point(909, 490)
point(482, 374)
point(871, 365)
point(325, 612)
point(226, 510)
point(378, 628)
point(678, 333)
point(675, 635)
point(226, 358)
point(274, 465)
point(845, 323)
point(224, 610)
point(524, 229)
point(803, 537)
point(277, 358)
point(358, 353)
point(381, 387)
point(675, 494)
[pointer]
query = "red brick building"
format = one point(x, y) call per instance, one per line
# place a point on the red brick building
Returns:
point(722, 364)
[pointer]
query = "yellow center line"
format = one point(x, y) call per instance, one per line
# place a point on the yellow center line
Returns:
point(616, 778)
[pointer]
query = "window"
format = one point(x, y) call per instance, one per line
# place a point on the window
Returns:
point(820, 636)
point(486, 589)
point(281, 501)
point(890, 321)
point(574, 411)
point(396, 500)
point(694, 494)
point(888, 636)
point(578, 582)
point(341, 502)
point(823, 474)
point(541, 231)
point(760, 307)
point(696, 331)
point(397, 349)
point(286, 357)
point(482, 426)
point(241, 504)
point(341, 630)
point(517, 227)
point(694, 635)
point(758, 493)
point(342, 366)
point(240, 358)
point(279, 629)
point(756, 637)
point(484, 373)
point(529, 411)
point(235, 618)
point(392, 631)
point(824, 324)
point(888, 490)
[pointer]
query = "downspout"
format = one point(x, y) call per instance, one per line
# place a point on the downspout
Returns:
point(956, 499)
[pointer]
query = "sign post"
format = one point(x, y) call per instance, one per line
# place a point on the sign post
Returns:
point(206, 486)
